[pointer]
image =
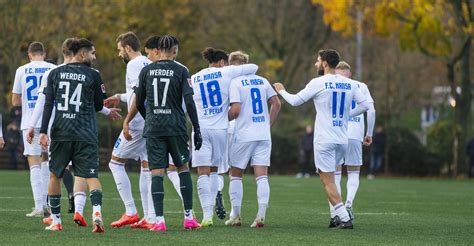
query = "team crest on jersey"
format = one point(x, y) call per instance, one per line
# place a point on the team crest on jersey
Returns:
point(102, 86)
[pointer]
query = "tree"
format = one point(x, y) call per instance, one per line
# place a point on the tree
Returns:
point(440, 29)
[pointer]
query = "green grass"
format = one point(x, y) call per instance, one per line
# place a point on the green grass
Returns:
point(388, 211)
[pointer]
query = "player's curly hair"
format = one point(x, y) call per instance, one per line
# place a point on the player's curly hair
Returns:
point(214, 55)
point(81, 43)
point(168, 42)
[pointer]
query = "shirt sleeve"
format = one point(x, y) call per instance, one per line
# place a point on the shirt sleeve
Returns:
point(99, 93)
point(133, 71)
point(358, 95)
point(48, 105)
point(17, 83)
point(270, 91)
point(1, 126)
point(234, 92)
point(140, 93)
point(186, 83)
point(366, 92)
point(311, 89)
point(236, 71)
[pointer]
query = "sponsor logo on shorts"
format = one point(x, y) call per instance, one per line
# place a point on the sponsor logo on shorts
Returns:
point(92, 171)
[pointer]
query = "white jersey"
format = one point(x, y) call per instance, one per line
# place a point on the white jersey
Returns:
point(253, 122)
point(211, 93)
point(356, 127)
point(37, 116)
point(332, 95)
point(134, 67)
point(28, 79)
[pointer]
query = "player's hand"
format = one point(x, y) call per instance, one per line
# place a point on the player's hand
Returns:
point(126, 131)
point(30, 135)
point(112, 101)
point(2, 143)
point(279, 86)
point(197, 140)
point(115, 114)
point(367, 140)
point(44, 140)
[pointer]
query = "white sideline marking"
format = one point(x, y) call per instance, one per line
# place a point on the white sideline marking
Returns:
point(65, 198)
point(374, 213)
point(26, 210)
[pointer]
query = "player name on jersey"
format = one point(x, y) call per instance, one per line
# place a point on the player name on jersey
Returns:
point(161, 72)
point(73, 76)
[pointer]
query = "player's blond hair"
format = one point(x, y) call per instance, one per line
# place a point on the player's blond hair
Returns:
point(342, 65)
point(238, 58)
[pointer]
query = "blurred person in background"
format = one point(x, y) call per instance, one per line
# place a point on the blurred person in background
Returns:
point(470, 153)
point(306, 152)
point(377, 151)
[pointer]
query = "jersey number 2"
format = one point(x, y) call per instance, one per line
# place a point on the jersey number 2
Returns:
point(34, 84)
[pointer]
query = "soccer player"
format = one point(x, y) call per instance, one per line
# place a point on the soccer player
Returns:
point(211, 96)
point(332, 95)
point(128, 46)
point(355, 133)
point(76, 198)
point(78, 91)
point(151, 49)
point(164, 84)
point(25, 93)
point(252, 142)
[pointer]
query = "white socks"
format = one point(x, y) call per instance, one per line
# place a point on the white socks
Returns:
point(45, 181)
point(174, 178)
point(236, 192)
point(37, 186)
point(337, 180)
point(123, 186)
point(352, 186)
point(332, 210)
point(144, 189)
point(214, 186)
point(79, 202)
point(151, 216)
point(341, 212)
point(221, 182)
point(204, 193)
point(263, 195)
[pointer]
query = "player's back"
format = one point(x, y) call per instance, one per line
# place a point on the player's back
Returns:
point(78, 92)
point(211, 96)
point(356, 126)
point(166, 83)
point(28, 79)
point(332, 96)
point(253, 122)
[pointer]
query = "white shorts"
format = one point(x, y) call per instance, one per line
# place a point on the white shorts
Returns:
point(257, 152)
point(327, 156)
point(34, 148)
point(353, 154)
point(212, 150)
point(134, 149)
point(224, 166)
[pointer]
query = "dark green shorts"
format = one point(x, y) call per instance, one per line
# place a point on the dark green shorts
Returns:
point(159, 149)
point(84, 157)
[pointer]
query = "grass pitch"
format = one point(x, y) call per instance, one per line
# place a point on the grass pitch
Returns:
point(387, 211)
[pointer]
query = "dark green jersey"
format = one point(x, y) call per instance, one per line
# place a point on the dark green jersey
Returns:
point(163, 84)
point(77, 92)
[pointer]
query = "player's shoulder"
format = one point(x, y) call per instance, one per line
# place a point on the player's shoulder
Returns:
point(180, 65)
point(138, 62)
